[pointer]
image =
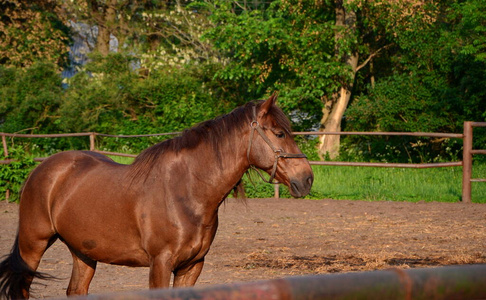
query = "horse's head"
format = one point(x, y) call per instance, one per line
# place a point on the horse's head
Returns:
point(272, 148)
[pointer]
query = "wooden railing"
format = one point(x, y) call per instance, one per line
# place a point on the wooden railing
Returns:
point(448, 282)
point(467, 154)
point(466, 162)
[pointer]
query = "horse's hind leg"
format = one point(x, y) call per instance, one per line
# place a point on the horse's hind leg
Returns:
point(83, 271)
point(36, 234)
point(28, 250)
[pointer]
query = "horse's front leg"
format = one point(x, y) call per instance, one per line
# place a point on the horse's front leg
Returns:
point(160, 271)
point(187, 276)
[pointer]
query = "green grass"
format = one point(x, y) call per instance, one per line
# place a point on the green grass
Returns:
point(377, 184)
point(122, 159)
point(396, 184)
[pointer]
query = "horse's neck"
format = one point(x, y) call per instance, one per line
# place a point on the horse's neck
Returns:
point(221, 171)
point(201, 175)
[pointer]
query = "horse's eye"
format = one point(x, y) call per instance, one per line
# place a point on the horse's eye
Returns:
point(280, 135)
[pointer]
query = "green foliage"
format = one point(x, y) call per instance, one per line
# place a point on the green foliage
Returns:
point(13, 175)
point(108, 96)
point(32, 31)
point(308, 146)
point(469, 28)
point(405, 103)
point(287, 47)
point(98, 95)
point(256, 188)
point(173, 36)
point(120, 101)
point(434, 86)
point(29, 98)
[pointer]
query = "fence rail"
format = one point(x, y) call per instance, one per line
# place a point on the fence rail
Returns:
point(466, 162)
point(381, 133)
point(451, 282)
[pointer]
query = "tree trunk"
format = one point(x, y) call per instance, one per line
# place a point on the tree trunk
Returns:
point(335, 107)
point(108, 20)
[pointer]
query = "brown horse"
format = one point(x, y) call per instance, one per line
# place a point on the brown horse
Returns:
point(159, 212)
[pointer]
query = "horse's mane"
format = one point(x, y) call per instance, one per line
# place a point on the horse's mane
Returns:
point(212, 131)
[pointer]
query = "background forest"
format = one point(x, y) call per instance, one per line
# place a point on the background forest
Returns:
point(141, 66)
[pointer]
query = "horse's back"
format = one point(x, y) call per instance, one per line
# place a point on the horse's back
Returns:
point(61, 166)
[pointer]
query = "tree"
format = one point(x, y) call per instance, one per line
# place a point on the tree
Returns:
point(439, 46)
point(466, 42)
point(107, 17)
point(434, 78)
point(31, 31)
point(313, 51)
point(363, 31)
point(173, 36)
point(287, 46)
point(141, 27)
point(307, 49)
point(468, 32)
point(347, 53)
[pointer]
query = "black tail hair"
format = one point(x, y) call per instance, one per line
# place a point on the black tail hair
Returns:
point(16, 275)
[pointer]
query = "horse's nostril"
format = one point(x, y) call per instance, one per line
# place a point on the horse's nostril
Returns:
point(294, 185)
point(310, 180)
point(295, 189)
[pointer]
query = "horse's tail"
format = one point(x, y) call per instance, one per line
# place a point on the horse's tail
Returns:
point(15, 275)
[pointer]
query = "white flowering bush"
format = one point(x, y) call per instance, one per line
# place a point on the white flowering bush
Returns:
point(180, 31)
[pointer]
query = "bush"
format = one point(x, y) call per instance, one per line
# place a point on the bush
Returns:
point(29, 98)
point(404, 103)
point(13, 175)
point(120, 101)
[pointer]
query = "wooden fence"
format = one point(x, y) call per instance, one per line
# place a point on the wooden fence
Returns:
point(440, 283)
point(466, 162)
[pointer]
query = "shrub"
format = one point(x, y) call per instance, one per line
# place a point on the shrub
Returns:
point(13, 175)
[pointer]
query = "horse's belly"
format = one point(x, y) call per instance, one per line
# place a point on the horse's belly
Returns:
point(132, 259)
point(110, 252)
point(112, 238)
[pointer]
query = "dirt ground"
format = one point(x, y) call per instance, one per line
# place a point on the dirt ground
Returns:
point(270, 238)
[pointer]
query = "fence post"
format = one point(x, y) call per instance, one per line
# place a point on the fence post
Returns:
point(92, 145)
point(276, 190)
point(5, 153)
point(4, 142)
point(467, 162)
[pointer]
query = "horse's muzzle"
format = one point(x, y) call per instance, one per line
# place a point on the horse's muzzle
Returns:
point(301, 187)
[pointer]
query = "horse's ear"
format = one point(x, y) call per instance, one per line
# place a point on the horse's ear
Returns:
point(267, 105)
